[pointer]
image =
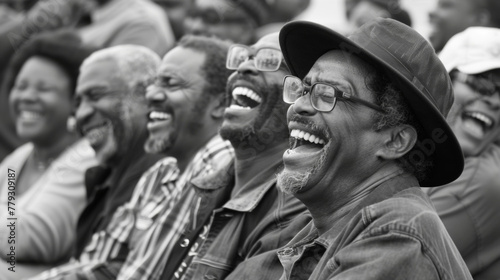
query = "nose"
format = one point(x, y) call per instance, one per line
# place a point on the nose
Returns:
point(155, 94)
point(83, 112)
point(303, 106)
point(27, 94)
point(248, 67)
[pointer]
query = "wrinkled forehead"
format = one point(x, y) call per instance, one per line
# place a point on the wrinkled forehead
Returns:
point(335, 60)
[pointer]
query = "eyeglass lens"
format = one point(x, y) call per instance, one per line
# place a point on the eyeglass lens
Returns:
point(265, 59)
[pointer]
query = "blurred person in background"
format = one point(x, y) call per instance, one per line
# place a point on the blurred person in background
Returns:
point(282, 11)
point(118, 22)
point(18, 28)
point(469, 206)
point(349, 5)
point(367, 10)
point(111, 114)
point(176, 11)
point(49, 169)
point(453, 16)
point(234, 20)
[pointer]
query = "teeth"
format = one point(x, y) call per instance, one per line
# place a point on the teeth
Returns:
point(235, 106)
point(482, 118)
point(96, 134)
point(159, 115)
point(29, 115)
point(306, 136)
point(102, 125)
point(248, 93)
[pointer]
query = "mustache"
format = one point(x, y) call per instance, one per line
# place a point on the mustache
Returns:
point(314, 128)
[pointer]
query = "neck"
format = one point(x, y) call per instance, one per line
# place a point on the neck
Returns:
point(45, 153)
point(329, 207)
point(246, 168)
point(185, 156)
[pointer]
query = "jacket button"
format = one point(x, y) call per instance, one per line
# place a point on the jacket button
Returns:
point(184, 243)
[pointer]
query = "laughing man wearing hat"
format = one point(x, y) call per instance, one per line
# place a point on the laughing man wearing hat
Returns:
point(367, 130)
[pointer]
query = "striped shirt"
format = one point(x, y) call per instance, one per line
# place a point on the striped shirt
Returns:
point(159, 195)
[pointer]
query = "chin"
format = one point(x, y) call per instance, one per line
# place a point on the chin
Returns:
point(292, 182)
point(157, 146)
point(236, 134)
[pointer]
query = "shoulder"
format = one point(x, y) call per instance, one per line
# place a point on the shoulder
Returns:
point(18, 155)
point(409, 210)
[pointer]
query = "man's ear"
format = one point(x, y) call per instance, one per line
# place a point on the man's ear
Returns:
point(218, 105)
point(399, 141)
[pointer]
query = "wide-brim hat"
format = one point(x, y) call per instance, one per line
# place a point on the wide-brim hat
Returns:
point(409, 61)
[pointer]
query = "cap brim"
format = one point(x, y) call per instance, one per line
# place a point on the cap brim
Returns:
point(302, 43)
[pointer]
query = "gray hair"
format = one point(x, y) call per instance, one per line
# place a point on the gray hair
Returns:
point(137, 65)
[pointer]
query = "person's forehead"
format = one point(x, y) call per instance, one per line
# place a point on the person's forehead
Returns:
point(186, 60)
point(334, 60)
point(101, 73)
point(268, 41)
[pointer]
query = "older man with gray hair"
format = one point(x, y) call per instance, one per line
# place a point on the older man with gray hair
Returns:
point(111, 113)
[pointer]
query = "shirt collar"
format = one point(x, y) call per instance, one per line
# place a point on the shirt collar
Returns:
point(248, 197)
point(388, 186)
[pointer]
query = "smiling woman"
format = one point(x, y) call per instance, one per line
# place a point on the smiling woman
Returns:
point(49, 189)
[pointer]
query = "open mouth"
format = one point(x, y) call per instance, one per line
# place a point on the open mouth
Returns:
point(95, 133)
point(159, 116)
point(300, 138)
point(478, 122)
point(29, 116)
point(245, 98)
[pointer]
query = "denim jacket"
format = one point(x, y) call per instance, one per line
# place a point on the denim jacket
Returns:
point(240, 226)
point(395, 233)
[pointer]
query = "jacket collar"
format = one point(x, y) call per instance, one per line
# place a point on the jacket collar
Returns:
point(246, 198)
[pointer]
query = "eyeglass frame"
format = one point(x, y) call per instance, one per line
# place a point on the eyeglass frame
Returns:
point(251, 56)
point(474, 80)
point(338, 94)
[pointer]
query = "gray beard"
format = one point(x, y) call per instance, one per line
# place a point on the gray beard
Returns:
point(157, 146)
point(294, 182)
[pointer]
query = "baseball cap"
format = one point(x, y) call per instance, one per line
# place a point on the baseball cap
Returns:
point(408, 60)
point(473, 51)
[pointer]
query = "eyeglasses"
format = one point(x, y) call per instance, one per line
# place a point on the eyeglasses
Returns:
point(265, 59)
point(482, 85)
point(323, 96)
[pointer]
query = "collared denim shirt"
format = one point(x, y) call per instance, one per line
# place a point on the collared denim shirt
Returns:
point(247, 224)
point(397, 235)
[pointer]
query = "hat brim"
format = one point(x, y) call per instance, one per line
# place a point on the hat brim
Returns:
point(302, 43)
